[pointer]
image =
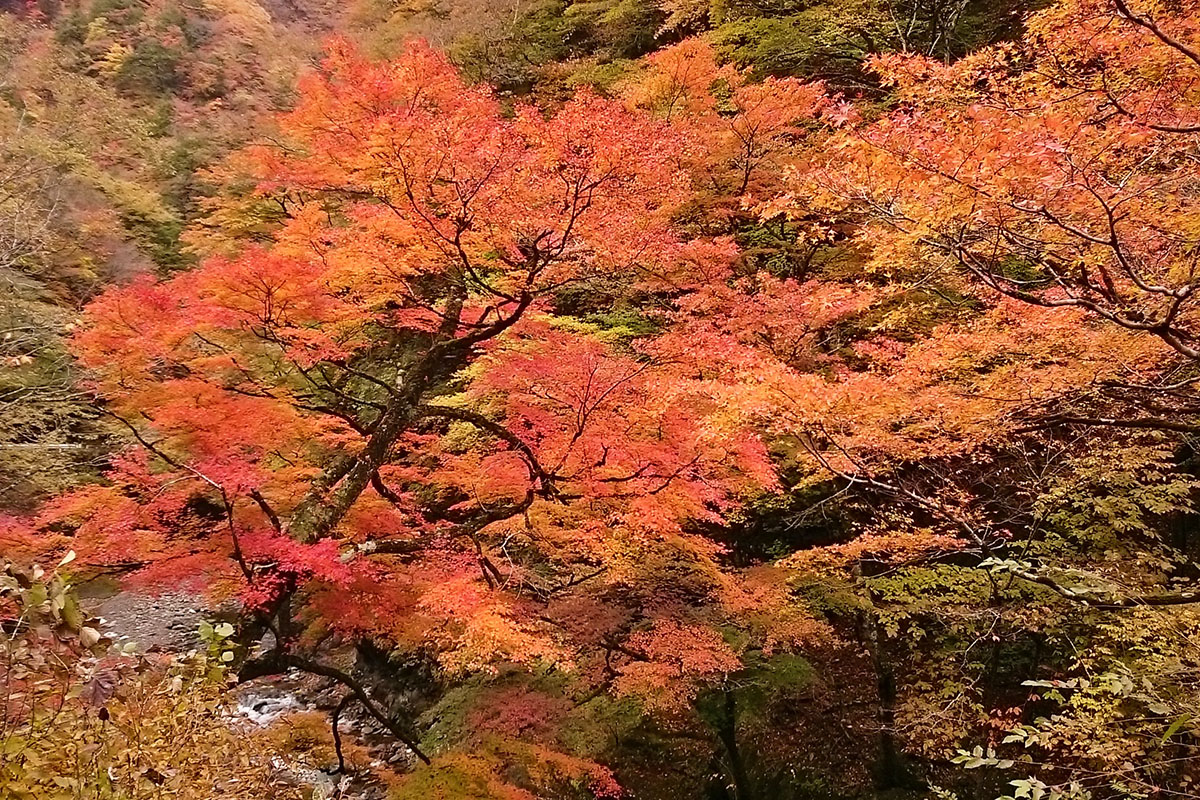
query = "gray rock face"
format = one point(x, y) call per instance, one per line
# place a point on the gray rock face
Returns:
point(166, 621)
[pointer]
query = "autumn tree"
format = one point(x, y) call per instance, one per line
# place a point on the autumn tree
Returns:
point(1063, 223)
point(1084, 207)
point(1028, 204)
point(748, 122)
point(401, 420)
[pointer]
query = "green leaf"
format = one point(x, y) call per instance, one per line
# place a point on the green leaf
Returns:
point(71, 613)
point(1173, 728)
point(36, 595)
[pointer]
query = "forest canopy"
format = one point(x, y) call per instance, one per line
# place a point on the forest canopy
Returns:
point(724, 400)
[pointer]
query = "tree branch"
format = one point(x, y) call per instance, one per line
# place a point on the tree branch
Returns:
point(276, 662)
point(1087, 598)
point(1152, 26)
point(536, 471)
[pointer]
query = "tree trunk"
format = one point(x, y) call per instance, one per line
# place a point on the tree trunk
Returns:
point(727, 733)
point(891, 771)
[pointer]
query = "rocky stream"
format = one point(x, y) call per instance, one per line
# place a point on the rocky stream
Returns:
point(169, 622)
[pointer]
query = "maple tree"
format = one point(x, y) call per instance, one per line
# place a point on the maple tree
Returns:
point(1085, 207)
point(747, 123)
point(377, 426)
point(1062, 223)
point(1040, 190)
